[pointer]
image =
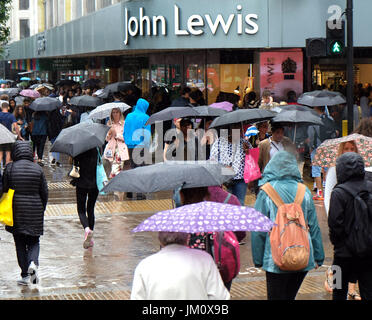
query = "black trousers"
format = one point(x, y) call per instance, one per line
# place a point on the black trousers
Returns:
point(39, 144)
point(283, 286)
point(27, 249)
point(352, 270)
point(86, 208)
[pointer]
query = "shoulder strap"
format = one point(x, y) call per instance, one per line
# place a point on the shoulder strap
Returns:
point(274, 196)
point(227, 198)
point(301, 189)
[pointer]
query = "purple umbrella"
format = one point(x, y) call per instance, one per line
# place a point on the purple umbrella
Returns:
point(30, 93)
point(207, 217)
point(224, 105)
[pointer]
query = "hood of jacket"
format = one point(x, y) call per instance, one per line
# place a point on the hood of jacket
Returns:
point(22, 150)
point(141, 106)
point(283, 166)
point(349, 166)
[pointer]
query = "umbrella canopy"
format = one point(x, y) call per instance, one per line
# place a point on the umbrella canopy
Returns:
point(25, 79)
point(11, 92)
point(19, 99)
point(206, 111)
point(169, 176)
point(207, 216)
point(172, 113)
point(297, 117)
point(45, 104)
point(321, 98)
point(66, 82)
point(224, 105)
point(104, 111)
point(111, 88)
point(249, 115)
point(326, 154)
point(91, 83)
point(30, 93)
point(79, 138)
point(86, 101)
point(6, 136)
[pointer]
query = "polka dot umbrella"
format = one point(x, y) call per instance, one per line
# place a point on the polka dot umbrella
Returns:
point(207, 216)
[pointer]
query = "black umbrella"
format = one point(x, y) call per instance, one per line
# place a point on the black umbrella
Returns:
point(66, 82)
point(110, 88)
point(172, 113)
point(243, 115)
point(11, 92)
point(206, 111)
point(45, 104)
point(169, 176)
point(79, 138)
point(86, 101)
point(298, 118)
point(91, 83)
point(321, 98)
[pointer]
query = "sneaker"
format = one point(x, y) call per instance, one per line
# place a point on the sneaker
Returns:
point(88, 239)
point(40, 164)
point(58, 164)
point(53, 162)
point(32, 270)
point(318, 197)
point(24, 281)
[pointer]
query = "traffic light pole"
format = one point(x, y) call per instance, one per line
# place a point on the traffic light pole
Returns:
point(350, 67)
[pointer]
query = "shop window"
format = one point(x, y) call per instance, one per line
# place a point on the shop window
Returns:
point(24, 28)
point(24, 4)
point(90, 6)
point(106, 3)
point(78, 8)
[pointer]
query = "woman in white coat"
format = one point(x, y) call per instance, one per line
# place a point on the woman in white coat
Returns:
point(178, 272)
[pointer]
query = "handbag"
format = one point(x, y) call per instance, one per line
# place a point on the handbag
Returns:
point(251, 169)
point(101, 176)
point(75, 172)
point(6, 206)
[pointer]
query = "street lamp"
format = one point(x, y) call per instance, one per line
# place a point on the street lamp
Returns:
point(350, 67)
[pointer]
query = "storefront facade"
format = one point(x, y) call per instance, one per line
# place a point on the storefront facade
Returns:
point(216, 46)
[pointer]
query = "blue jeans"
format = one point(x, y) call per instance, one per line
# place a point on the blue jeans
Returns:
point(239, 189)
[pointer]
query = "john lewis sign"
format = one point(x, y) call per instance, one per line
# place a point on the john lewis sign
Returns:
point(139, 24)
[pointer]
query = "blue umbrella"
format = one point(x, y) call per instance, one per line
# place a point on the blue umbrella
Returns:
point(25, 79)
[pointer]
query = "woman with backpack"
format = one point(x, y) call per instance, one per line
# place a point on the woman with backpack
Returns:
point(351, 201)
point(283, 175)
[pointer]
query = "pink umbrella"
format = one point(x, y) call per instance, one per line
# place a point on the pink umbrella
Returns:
point(225, 105)
point(30, 93)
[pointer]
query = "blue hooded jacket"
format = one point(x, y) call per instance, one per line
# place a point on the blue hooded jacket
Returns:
point(136, 133)
point(283, 174)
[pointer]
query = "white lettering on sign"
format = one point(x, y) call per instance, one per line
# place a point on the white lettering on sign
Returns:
point(196, 24)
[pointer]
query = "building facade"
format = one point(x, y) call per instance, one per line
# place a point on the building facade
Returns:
point(216, 46)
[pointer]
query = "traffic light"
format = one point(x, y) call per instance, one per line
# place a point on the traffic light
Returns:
point(335, 39)
point(316, 47)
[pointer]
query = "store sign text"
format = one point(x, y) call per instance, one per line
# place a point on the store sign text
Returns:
point(195, 25)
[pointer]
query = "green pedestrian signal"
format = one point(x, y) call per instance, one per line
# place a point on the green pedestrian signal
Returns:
point(337, 47)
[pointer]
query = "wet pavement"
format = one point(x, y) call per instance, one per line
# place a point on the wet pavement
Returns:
point(105, 272)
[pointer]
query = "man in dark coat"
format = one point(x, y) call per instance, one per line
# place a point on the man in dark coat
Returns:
point(30, 199)
point(350, 174)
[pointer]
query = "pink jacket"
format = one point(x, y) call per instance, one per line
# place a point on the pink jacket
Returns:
point(116, 139)
point(217, 194)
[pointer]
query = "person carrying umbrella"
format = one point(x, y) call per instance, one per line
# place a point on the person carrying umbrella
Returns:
point(39, 134)
point(116, 151)
point(8, 120)
point(283, 174)
point(177, 272)
point(230, 151)
point(137, 134)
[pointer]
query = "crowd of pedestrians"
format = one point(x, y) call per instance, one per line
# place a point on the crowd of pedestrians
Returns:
point(281, 163)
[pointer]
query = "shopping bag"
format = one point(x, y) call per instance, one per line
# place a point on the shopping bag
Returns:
point(251, 169)
point(101, 176)
point(6, 208)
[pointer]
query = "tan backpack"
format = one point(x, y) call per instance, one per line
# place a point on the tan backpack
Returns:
point(290, 247)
